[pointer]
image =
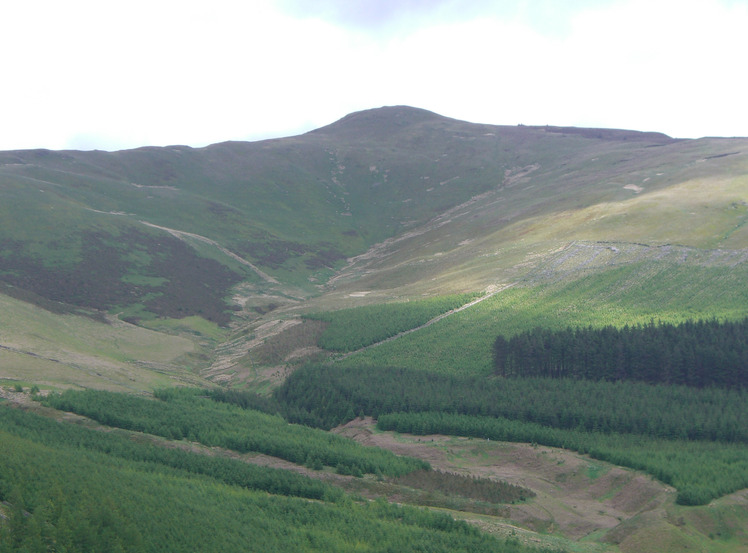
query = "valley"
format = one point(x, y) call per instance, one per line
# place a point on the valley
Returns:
point(392, 240)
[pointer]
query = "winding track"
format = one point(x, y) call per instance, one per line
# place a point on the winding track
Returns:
point(182, 235)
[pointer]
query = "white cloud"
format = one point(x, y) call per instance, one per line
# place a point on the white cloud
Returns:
point(663, 65)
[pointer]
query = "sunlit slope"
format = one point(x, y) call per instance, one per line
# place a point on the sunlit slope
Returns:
point(690, 194)
point(385, 204)
point(666, 243)
point(664, 289)
point(63, 350)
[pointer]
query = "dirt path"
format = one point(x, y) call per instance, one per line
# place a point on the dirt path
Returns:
point(182, 235)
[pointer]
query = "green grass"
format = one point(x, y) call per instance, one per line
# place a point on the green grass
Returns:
point(194, 325)
point(63, 350)
point(631, 294)
point(596, 470)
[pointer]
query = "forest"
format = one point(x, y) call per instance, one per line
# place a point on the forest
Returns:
point(693, 438)
point(358, 327)
point(187, 414)
point(70, 488)
point(694, 353)
point(331, 395)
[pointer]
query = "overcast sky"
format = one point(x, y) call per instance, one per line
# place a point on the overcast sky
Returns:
point(112, 74)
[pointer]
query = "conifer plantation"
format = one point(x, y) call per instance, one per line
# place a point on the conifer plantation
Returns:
point(692, 438)
point(701, 353)
point(72, 488)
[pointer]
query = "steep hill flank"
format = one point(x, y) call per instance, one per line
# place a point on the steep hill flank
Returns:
point(141, 231)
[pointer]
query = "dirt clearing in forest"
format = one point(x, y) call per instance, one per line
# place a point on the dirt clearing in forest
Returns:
point(576, 495)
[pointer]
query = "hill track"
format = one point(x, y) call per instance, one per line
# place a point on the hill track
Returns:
point(183, 235)
point(490, 292)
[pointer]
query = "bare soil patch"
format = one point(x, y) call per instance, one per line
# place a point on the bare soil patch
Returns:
point(263, 356)
point(576, 495)
point(20, 398)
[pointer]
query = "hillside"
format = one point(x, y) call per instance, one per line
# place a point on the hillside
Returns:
point(397, 200)
point(384, 204)
point(367, 268)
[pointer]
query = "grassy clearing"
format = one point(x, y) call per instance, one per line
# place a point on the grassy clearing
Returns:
point(642, 507)
point(195, 326)
point(71, 350)
point(700, 470)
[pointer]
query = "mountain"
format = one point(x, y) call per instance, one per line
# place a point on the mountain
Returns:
point(397, 201)
point(367, 270)
point(109, 230)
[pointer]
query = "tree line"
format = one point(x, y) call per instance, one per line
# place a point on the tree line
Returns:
point(71, 494)
point(694, 353)
point(188, 414)
point(693, 438)
point(326, 396)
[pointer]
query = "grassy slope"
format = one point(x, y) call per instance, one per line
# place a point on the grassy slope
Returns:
point(682, 199)
point(62, 350)
point(245, 196)
point(355, 183)
point(673, 250)
point(73, 226)
point(619, 295)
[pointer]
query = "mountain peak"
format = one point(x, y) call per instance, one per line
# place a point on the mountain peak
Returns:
point(376, 121)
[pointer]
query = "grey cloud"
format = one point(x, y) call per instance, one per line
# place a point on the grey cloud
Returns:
point(376, 14)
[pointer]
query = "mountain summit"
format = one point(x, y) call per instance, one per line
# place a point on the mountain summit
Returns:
point(377, 122)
